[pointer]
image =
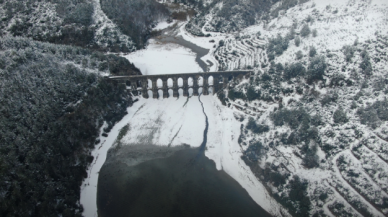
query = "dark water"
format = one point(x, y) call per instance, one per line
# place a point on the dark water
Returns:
point(174, 186)
point(186, 183)
point(204, 141)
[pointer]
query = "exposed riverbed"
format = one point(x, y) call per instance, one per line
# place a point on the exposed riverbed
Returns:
point(145, 174)
point(199, 51)
point(151, 180)
point(173, 52)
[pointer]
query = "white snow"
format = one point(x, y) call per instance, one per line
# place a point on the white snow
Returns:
point(346, 184)
point(170, 58)
point(106, 27)
point(224, 150)
point(337, 22)
point(177, 121)
point(163, 25)
point(164, 122)
point(169, 121)
point(89, 185)
point(160, 58)
point(172, 122)
point(204, 42)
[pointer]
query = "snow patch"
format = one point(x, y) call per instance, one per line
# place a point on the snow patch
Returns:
point(159, 58)
point(89, 185)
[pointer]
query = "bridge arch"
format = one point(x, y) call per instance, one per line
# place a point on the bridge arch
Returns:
point(149, 83)
point(210, 82)
point(190, 81)
point(170, 82)
point(220, 79)
point(160, 94)
point(159, 83)
point(190, 91)
point(150, 94)
point(170, 92)
point(138, 83)
point(180, 92)
point(211, 90)
point(180, 82)
point(200, 81)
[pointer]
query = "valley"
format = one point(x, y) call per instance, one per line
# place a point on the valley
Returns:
point(281, 167)
point(304, 134)
point(259, 160)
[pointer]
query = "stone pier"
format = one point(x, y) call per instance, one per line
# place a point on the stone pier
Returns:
point(180, 81)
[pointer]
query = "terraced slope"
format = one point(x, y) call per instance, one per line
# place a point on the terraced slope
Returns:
point(313, 118)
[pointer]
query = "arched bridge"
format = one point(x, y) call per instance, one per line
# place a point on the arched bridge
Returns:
point(184, 81)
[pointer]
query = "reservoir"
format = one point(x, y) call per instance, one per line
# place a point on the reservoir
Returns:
point(180, 156)
point(186, 183)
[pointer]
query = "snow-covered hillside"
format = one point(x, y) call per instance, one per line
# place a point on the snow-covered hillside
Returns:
point(307, 134)
point(337, 23)
point(324, 134)
point(80, 23)
point(107, 32)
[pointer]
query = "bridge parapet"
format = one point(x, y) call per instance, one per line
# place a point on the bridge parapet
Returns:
point(144, 83)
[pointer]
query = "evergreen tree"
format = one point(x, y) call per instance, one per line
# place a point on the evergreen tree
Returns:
point(312, 51)
point(305, 31)
point(297, 41)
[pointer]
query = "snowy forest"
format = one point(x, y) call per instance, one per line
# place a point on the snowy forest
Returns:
point(79, 22)
point(53, 99)
point(312, 115)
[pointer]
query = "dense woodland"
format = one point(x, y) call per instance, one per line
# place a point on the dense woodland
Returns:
point(63, 22)
point(53, 101)
point(69, 22)
point(313, 109)
point(135, 17)
point(230, 15)
point(54, 98)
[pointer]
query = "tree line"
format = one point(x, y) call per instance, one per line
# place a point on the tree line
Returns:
point(53, 100)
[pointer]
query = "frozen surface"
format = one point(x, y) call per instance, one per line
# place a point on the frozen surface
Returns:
point(167, 122)
point(163, 25)
point(160, 58)
point(171, 58)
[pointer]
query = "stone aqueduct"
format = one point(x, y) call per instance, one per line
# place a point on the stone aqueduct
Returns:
point(140, 82)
